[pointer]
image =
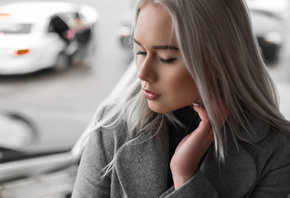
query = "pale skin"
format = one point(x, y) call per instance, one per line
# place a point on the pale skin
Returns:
point(194, 145)
point(160, 66)
point(168, 86)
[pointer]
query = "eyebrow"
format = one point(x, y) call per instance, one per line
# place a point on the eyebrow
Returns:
point(159, 47)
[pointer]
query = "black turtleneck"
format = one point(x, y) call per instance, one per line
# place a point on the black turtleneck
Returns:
point(190, 119)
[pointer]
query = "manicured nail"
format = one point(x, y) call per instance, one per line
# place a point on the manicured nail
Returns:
point(194, 104)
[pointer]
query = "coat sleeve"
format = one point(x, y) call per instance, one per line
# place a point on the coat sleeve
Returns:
point(198, 187)
point(89, 183)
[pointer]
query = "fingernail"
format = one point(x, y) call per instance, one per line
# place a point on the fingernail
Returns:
point(194, 104)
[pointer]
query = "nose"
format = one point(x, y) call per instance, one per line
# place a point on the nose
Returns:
point(146, 71)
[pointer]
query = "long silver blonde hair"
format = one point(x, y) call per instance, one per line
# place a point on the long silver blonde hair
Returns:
point(220, 51)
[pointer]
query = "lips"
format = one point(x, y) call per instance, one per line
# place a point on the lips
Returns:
point(150, 95)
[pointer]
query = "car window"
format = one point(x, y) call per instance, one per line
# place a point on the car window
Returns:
point(15, 28)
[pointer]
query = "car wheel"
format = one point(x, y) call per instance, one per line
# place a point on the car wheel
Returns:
point(62, 63)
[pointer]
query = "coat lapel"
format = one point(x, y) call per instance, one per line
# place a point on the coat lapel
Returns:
point(238, 174)
point(142, 165)
point(235, 177)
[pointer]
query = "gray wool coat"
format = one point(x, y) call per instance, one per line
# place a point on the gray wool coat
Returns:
point(260, 170)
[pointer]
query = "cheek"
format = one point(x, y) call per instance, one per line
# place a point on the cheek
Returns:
point(184, 88)
point(139, 62)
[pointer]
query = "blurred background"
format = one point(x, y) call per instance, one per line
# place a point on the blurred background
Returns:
point(59, 60)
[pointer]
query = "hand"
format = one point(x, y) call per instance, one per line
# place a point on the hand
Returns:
point(190, 150)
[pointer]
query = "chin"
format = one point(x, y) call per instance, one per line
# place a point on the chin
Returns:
point(162, 109)
point(158, 108)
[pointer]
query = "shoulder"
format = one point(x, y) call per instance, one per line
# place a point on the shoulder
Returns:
point(109, 137)
point(275, 141)
point(279, 145)
point(264, 136)
point(272, 164)
point(103, 143)
point(257, 164)
point(271, 151)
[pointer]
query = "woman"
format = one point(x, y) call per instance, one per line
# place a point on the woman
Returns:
point(201, 52)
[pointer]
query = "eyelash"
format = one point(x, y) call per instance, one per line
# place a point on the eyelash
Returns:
point(167, 61)
point(141, 53)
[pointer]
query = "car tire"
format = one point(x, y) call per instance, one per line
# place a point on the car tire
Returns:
point(62, 62)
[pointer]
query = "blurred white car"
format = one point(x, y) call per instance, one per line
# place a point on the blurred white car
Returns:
point(36, 35)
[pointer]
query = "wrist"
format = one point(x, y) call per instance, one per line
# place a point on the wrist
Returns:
point(179, 180)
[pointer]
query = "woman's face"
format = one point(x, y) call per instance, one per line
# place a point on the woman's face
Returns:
point(165, 80)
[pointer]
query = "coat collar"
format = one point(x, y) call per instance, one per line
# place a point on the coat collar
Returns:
point(142, 163)
point(235, 176)
point(238, 172)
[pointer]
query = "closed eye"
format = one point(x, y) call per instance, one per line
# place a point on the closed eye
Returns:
point(167, 61)
point(141, 53)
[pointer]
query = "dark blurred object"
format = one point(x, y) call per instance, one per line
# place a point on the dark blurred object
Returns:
point(81, 28)
point(124, 32)
point(82, 36)
point(58, 25)
point(37, 35)
point(269, 20)
point(270, 50)
point(269, 31)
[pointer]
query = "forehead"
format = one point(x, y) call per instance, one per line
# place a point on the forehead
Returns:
point(154, 23)
point(152, 11)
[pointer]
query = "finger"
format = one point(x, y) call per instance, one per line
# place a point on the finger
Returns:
point(205, 122)
point(201, 112)
point(201, 137)
point(208, 140)
point(197, 142)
